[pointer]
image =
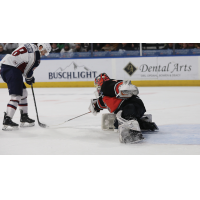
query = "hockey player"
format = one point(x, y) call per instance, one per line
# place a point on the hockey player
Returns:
point(22, 61)
point(120, 97)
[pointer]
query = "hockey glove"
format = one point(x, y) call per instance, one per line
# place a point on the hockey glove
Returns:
point(93, 108)
point(30, 81)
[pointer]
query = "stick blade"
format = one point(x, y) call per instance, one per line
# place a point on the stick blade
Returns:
point(43, 125)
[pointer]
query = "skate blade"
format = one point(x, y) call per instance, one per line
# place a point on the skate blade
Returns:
point(10, 128)
point(26, 124)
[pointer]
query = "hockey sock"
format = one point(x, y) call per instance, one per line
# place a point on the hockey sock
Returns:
point(12, 105)
point(23, 104)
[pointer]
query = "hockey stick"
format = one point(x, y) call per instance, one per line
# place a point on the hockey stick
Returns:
point(71, 119)
point(40, 124)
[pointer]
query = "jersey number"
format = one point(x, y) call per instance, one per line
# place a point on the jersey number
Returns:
point(19, 51)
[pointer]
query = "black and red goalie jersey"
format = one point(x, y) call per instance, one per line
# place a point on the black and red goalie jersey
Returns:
point(109, 98)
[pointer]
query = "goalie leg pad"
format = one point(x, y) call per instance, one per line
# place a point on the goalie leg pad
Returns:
point(107, 121)
point(127, 135)
point(129, 130)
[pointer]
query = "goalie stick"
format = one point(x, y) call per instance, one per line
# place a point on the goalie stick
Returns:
point(70, 119)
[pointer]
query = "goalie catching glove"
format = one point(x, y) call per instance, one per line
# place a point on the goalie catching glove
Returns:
point(127, 90)
point(93, 108)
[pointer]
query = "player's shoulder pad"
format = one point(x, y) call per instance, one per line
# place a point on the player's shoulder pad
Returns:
point(29, 47)
point(35, 47)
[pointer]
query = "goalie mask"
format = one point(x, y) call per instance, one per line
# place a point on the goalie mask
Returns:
point(100, 79)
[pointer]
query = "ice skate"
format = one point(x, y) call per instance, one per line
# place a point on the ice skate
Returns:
point(26, 121)
point(8, 124)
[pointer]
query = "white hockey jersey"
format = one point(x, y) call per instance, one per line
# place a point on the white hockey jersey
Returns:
point(26, 58)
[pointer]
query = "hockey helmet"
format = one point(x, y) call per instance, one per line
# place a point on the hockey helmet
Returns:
point(46, 46)
point(100, 79)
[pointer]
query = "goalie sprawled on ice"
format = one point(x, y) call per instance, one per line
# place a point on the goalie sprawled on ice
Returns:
point(120, 98)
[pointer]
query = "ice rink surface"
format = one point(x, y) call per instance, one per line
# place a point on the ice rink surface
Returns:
point(176, 111)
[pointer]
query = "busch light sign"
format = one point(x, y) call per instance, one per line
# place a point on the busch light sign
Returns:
point(72, 71)
point(73, 75)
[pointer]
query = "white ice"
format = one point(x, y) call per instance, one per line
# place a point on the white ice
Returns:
point(176, 111)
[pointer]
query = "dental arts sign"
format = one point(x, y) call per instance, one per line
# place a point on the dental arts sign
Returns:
point(160, 68)
point(138, 68)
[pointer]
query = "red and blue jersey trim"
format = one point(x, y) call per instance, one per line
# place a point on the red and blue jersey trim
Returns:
point(9, 105)
point(24, 104)
point(15, 101)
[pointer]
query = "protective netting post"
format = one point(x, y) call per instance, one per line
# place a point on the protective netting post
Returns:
point(140, 49)
point(91, 49)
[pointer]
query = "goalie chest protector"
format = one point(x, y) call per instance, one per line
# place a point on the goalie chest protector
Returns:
point(110, 90)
